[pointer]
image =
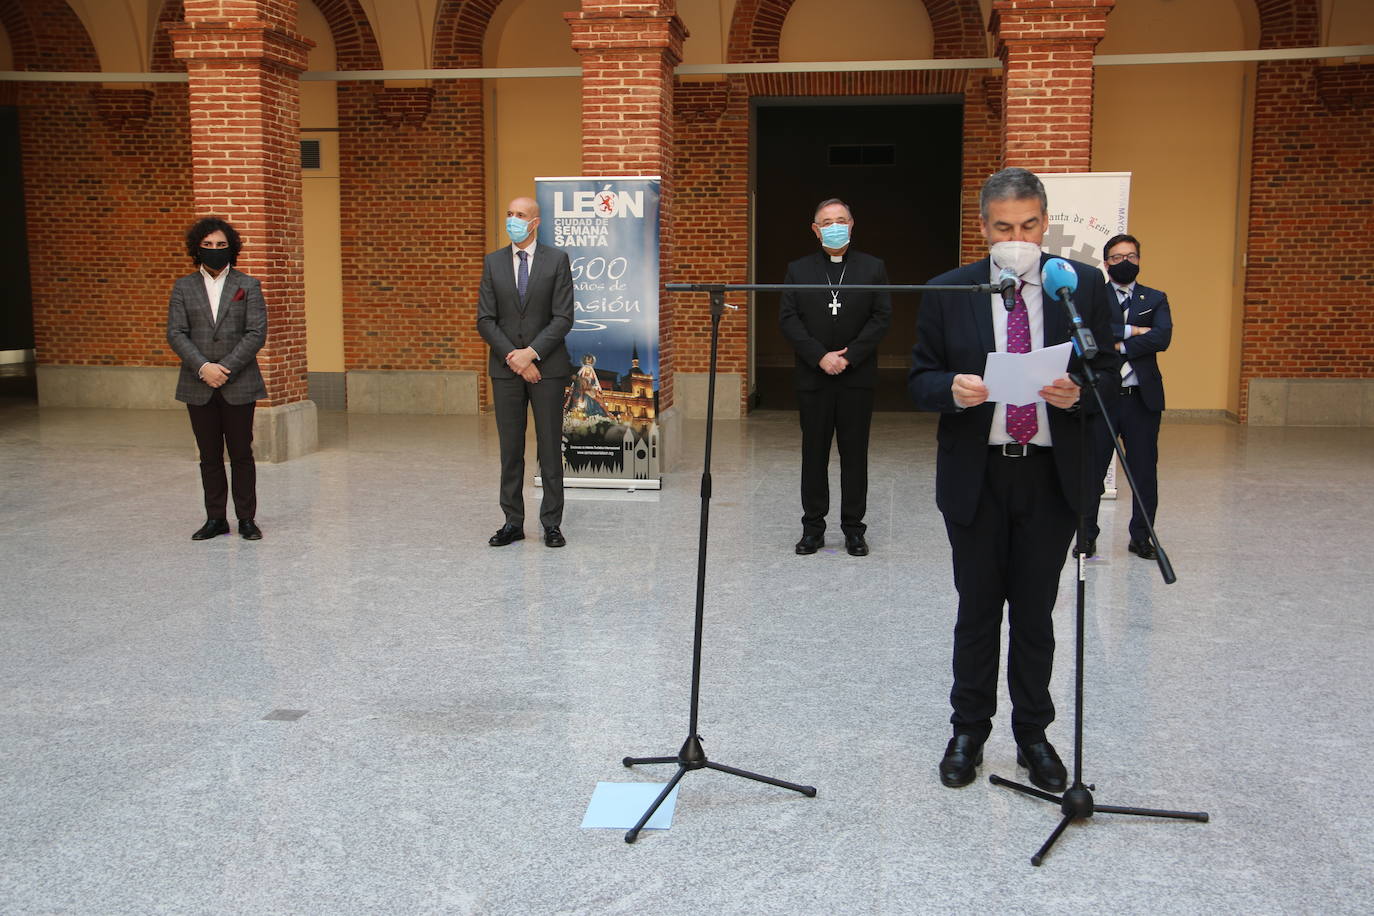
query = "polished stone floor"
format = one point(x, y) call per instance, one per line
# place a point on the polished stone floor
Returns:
point(370, 711)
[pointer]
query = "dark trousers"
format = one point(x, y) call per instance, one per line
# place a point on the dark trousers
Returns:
point(514, 399)
point(1011, 554)
point(1138, 427)
point(217, 425)
point(844, 415)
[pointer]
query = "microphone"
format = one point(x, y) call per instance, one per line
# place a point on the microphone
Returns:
point(1060, 281)
point(1006, 285)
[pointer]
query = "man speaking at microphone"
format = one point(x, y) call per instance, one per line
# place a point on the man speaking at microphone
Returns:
point(1007, 477)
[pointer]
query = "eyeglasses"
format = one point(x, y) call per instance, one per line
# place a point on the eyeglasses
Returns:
point(1118, 258)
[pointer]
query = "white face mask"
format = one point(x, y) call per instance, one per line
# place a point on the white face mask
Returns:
point(1022, 257)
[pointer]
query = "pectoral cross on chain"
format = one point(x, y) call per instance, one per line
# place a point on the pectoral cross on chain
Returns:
point(834, 304)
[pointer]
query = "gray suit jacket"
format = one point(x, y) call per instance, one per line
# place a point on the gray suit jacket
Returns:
point(233, 340)
point(542, 321)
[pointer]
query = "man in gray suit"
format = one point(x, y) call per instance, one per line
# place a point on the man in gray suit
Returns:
point(524, 311)
point(216, 323)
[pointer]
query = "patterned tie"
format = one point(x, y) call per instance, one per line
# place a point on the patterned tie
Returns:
point(1125, 319)
point(1021, 422)
point(522, 276)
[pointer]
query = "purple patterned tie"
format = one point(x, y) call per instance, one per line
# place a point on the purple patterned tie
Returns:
point(1021, 422)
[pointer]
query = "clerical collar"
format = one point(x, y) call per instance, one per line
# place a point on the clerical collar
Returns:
point(837, 258)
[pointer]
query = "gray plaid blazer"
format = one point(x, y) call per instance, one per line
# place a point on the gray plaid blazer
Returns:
point(233, 341)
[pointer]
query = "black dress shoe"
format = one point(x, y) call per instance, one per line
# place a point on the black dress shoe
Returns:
point(249, 530)
point(1046, 770)
point(962, 756)
point(1143, 549)
point(856, 545)
point(810, 543)
point(212, 528)
point(505, 535)
point(553, 537)
point(1089, 548)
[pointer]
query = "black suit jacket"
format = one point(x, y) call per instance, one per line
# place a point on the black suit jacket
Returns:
point(954, 335)
point(861, 323)
point(1149, 308)
point(542, 321)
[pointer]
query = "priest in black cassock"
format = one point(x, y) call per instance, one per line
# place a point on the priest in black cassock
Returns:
point(835, 333)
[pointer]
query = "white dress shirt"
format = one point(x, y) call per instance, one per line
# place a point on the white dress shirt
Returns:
point(1031, 294)
point(214, 291)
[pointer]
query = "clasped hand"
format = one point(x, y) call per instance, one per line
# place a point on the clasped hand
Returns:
point(214, 375)
point(834, 362)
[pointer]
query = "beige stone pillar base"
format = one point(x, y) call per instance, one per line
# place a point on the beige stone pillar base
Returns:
point(285, 432)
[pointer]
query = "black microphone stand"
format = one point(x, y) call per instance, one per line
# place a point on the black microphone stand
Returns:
point(1077, 802)
point(691, 756)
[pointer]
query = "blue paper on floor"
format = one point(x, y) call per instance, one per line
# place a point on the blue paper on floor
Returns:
point(622, 804)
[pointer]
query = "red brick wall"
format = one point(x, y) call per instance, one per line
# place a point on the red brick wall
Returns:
point(107, 191)
point(1309, 278)
point(1046, 48)
point(414, 209)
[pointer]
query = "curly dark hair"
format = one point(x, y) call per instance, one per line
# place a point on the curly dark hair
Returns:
point(197, 233)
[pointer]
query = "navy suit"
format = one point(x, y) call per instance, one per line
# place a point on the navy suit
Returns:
point(1137, 411)
point(1009, 520)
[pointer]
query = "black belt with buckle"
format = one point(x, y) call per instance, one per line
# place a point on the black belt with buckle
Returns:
point(1015, 450)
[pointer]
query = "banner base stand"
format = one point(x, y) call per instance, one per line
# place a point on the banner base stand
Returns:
point(607, 483)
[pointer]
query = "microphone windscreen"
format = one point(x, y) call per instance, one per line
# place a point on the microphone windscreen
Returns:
point(1058, 275)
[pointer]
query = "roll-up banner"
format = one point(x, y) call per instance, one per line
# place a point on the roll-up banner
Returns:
point(1087, 209)
point(610, 228)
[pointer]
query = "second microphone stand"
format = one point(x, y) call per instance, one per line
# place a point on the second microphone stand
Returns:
point(1077, 803)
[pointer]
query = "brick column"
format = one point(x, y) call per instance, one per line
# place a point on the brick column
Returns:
point(1046, 47)
point(629, 49)
point(244, 59)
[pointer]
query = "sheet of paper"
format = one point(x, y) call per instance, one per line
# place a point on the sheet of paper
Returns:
point(1016, 378)
point(622, 804)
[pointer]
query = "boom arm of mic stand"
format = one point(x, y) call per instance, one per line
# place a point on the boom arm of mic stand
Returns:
point(1166, 569)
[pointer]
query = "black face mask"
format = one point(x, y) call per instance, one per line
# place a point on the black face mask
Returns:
point(1123, 272)
point(216, 258)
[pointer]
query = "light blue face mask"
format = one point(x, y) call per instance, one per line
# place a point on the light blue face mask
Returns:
point(836, 235)
point(518, 229)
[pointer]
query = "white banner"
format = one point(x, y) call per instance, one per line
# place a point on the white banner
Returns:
point(1087, 209)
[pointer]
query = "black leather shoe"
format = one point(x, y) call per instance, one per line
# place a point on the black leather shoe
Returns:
point(1143, 549)
point(212, 528)
point(553, 537)
point(963, 754)
point(249, 530)
point(810, 543)
point(856, 545)
point(1089, 548)
point(505, 535)
point(1046, 770)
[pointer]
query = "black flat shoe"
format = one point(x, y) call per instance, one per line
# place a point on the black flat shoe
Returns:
point(505, 535)
point(553, 537)
point(855, 545)
point(963, 754)
point(249, 530)
point(212, 528)
point(810, 543)
point(1143, 549)
point(1046, 770)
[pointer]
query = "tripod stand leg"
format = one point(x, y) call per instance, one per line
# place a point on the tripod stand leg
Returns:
point(631, 761)
point(1201, 816)
point(808, 791)
point(1040, 856)
point(633, 833)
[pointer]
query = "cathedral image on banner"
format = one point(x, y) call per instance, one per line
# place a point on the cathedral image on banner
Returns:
point(610, 421)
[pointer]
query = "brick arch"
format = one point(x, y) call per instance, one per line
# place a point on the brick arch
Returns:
point(756, 29)
point(1289, 23)
point(460, 29)
point(47, 35)
point(355, 44)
